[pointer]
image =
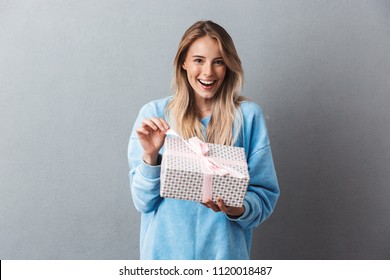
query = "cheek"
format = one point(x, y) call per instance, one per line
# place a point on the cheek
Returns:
point(222, 74)
point(192, 72)
point(190, 76)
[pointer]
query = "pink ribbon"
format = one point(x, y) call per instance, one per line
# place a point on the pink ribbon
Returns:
point(210, 166)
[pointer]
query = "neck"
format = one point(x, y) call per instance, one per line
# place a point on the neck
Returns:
point(204, 113)
point(203, 107)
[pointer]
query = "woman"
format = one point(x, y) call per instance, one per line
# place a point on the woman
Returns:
point(207, 104)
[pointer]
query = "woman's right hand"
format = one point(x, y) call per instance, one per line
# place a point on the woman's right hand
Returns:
point(152, 135)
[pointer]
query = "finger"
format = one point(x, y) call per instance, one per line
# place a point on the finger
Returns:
point(147, 123)
point(221, 205)
point(213, 206)
point(141, 131)
point(166, 125)
point(158, 122)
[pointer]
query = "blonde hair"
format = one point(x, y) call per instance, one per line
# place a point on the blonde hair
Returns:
point(181, 110)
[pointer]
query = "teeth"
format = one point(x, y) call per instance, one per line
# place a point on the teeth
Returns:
point(207, 82)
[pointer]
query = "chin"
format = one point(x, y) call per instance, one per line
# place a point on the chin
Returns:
point(207, 95)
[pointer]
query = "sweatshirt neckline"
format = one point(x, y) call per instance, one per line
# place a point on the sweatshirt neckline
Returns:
point(205, 121)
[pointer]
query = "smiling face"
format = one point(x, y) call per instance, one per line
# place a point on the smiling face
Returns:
point(205, 68)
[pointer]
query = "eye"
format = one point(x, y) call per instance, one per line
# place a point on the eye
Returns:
point(219, 62)
point(198, 60)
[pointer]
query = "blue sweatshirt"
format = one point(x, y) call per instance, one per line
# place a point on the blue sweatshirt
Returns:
point(181, 229)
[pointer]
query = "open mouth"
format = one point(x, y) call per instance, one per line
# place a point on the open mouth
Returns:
point(207, 83)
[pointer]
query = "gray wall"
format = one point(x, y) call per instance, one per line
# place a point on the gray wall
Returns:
point(73, 75)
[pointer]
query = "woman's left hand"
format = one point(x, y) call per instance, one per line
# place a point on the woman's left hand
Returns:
point(221, 207)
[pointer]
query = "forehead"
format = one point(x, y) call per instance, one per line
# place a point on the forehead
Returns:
point(206, 47)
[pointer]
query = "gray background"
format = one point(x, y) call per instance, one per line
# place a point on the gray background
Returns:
point(73, 75)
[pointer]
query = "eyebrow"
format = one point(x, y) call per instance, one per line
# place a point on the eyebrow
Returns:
point(199, 56)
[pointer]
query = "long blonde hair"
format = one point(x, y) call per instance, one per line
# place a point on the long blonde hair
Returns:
point(181, 110)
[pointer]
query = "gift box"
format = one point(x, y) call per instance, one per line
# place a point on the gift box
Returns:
point(198, 171)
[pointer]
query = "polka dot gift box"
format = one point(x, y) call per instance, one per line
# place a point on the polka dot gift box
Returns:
point(198, 171)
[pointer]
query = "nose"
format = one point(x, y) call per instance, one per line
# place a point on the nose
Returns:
point(208, 70)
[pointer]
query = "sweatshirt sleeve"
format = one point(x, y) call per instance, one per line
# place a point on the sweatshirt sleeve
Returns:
point(144, 178)
point(263, 189)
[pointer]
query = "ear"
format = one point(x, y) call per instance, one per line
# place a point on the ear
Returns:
point(184, 66)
